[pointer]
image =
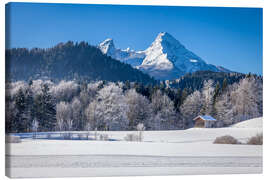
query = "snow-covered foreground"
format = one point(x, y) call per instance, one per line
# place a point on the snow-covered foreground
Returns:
point(163, 152)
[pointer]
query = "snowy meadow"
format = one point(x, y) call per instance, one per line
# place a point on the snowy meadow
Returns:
point(172, 152)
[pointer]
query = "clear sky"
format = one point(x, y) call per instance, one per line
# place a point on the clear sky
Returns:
point(230, 37)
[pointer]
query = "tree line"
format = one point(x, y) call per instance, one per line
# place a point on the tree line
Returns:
point(44, 105)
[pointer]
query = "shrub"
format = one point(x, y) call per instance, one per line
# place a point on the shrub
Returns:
point(132, 137)
point(256, 140)
point(48, 136)
point(103, 137)
point(226, 140)
point(67, 135)
point(12, 139)
point(80, 136)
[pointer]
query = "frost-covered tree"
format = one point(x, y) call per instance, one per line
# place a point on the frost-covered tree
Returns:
point(34, 128)
point(246, 99)
point(77, 113)
point(240, 101)
point(45, 109)
point(64, 116)
point(140, 128)
point(21, 113)
point(112, 108)
point(62, 111)
point(164, 114)
point(37, 85)
point(65, 90)
point(139, 110)
point(91, 113)
point(191, 108)
point(225, 110)
point(14, 88)
point(207, 97)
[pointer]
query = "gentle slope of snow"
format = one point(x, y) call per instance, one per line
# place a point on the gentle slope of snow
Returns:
point(252, 123)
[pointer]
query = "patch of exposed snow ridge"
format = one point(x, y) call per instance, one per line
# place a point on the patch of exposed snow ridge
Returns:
point(165, 59)
point(127, 56)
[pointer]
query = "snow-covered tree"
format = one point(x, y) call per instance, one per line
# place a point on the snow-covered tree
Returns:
point(37, 85)
point(112, 108)
point(240, 101)
point(191, 108)
point(225, 110)
point(65, 90)
point(139, 110)
point(91, 113)
point(64, 116)
point(35, 128)
point(246, 99)
point(207, 97)
point(77, 113)
point(140, 128)
point(163, 111)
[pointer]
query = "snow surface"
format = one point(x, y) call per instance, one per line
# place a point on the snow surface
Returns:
point(188, 151)
point(252, 123)
point(166, 58)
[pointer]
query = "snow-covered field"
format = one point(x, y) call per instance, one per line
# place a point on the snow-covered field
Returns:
point(162, 152)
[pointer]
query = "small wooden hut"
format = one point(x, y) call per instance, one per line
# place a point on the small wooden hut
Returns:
point(204, 121)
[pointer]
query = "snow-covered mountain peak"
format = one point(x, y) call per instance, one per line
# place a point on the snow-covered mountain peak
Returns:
point(107, 46)
point(128, 55)
point(166, 37)
point(166, 58)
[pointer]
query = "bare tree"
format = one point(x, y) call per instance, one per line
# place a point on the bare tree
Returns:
point(139, 110)
point(34, 128)
point(140, 128)
point(191, 108)
point(164, 114)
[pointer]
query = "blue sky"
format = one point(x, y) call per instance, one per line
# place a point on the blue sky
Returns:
point(230, 37)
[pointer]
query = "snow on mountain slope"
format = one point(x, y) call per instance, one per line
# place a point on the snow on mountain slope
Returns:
point(127, 56)
point(169, 59)
point(165, 59)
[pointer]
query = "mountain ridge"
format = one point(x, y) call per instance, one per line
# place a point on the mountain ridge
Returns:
point(165, 59)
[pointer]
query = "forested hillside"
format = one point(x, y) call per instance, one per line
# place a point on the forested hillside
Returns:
point(69, 61)
point(195, 80)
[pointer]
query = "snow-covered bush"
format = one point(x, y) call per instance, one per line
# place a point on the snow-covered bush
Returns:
point(132, 137)
point(67, 135)
point(226, 140)
point(48, 136)
point(140, 128)
point(103, 137)
point(12, 139)
point(256, 140)
point(81, 135)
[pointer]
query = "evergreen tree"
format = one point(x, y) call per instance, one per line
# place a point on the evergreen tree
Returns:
point(224, 84)
point(21, 114)
point(45, 110)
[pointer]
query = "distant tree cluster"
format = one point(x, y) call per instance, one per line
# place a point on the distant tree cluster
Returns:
point(42, 105)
